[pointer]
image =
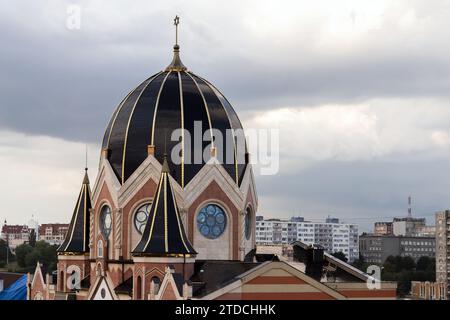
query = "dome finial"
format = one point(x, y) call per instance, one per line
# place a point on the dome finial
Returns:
point(176, 22)
point(176, 64)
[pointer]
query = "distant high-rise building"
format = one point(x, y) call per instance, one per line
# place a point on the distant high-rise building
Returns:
point(332, 236)
point(442, 248)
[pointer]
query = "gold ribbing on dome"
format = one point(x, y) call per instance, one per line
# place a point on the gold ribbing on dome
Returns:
point(176, 64)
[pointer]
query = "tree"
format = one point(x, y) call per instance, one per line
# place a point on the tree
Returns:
point(21, 253)
point(425, 264)
point(408, 264)
point(5, 252)
point(32, 240)
point(340, 255)
point(360, 263)
point(403, 270)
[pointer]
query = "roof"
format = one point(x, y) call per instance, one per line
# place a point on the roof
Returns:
point(9, 278)
point(125, 287)
point(173, 99)
point(12, 229)
point(17, 290)
point(316, 260)
point(211, 275)
point(77, 237)
point(164, 233)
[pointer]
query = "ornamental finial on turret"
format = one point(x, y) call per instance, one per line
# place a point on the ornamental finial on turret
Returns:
point(176, 64)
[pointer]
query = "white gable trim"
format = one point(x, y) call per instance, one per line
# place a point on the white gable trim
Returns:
point(107, 176)
point(208, 174)
point(168, 280)
point(98, 282)
point(248, 183)
point(38, 273)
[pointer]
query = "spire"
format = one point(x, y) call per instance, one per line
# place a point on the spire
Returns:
point(176, 64)
point(77, 238)
point(86, 178)
point(164, 233)
point(165, 165)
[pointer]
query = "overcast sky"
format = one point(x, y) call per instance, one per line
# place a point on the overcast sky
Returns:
point(360, 91)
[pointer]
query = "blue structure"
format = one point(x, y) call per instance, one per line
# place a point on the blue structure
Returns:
point(16, 291)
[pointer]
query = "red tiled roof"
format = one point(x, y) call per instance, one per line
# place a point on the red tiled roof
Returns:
point(12, 229)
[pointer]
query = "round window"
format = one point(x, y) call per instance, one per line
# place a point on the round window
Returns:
point(248, 224)
point(211, 221)
point(105, 221)
point(141, 217)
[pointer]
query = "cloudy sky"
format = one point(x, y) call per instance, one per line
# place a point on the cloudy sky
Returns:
point(360, 91)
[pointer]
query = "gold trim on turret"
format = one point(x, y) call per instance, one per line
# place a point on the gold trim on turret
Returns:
point(154, 215)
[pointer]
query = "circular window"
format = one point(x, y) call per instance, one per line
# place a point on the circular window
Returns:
point(106, 221)
point(211, 221)
point(248, 224)
point(141, 217)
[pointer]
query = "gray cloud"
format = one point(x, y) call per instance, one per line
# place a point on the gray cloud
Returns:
point(67, 83)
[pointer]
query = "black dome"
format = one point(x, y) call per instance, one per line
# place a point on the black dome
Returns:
point(169, 100)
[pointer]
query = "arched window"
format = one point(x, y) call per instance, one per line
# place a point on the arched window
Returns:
point(141, 216)
point(248, 223)
point(139, 288)
point(156, 284)
point(100, 249)
point(211, 221)
point(105, 221)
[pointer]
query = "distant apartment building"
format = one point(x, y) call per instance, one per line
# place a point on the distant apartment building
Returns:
point(408, 226)
point(375, 249)
point(332, 235)
point(383, 228)
point(442, 248)
point(53, 233)
point(15, 235)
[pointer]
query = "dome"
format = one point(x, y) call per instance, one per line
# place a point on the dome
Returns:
point(172, 99)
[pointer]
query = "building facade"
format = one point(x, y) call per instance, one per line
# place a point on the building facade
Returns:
point(15, 235)
point(383, 228)
point(428, 290)
point(332, 235)
point(53, 233)
point(442, 248)
point(408, 226)
point(375, 249)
